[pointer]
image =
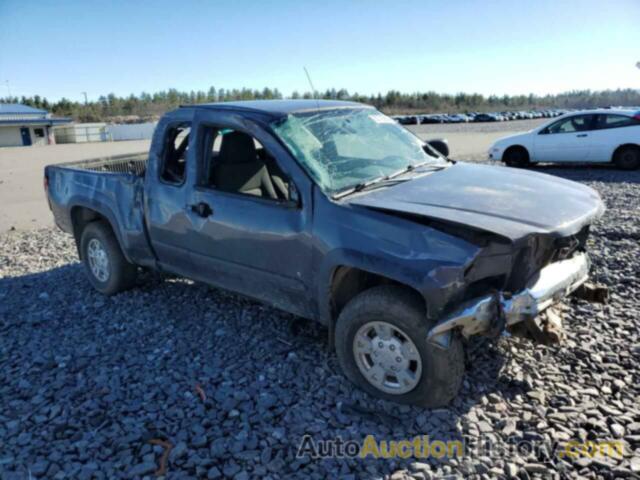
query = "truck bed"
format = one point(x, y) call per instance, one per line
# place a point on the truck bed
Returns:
point(111, 187)
point(133, 163)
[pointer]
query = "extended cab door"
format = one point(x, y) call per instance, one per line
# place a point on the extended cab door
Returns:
point(567, 140)
point(167, 191)
point(250, 214)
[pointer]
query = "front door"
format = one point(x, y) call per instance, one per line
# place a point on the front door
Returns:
point(249, 232)
point(26, 136)
point(567, 140)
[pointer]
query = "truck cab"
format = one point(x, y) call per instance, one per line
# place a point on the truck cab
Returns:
point(226, 204)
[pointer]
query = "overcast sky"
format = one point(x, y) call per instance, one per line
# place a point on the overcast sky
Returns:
point(63, 48)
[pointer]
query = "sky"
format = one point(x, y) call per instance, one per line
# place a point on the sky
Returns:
point(66, 47)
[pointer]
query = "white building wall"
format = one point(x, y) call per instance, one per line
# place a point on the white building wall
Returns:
point(10, 137)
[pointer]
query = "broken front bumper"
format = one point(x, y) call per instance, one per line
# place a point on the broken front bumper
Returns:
point(494, 313)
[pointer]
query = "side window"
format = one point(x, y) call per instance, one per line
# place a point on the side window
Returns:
point(579, 123)
point(236, 162)
point(615, 121)
point(174, 156)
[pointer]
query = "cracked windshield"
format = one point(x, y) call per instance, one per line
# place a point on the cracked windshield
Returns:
point(346, 147)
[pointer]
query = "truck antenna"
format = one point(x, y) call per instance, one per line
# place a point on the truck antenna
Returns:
point(313, 89)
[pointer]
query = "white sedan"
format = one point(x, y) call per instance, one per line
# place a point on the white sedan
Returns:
point(596, 136)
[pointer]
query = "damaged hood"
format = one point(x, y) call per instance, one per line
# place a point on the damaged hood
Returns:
point(506, 201)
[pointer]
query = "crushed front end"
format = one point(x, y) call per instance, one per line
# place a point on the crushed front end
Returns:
point(542, 272)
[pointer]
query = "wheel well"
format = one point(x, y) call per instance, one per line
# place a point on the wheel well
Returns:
point(80, 218)
point(625, 145)
point(350, 281)
point(516, 147)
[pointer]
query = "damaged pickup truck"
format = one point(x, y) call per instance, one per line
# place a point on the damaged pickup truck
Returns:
point(333, 212)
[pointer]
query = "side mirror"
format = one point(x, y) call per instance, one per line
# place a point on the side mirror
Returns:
point(440, 145)
point(544, 131)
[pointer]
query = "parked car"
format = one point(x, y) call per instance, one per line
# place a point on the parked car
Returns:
point(408, 120)
point(486, 117)
point(458, 118)
point(425, 119)
point(332, 211)
point(600, 136)
point(438, 118)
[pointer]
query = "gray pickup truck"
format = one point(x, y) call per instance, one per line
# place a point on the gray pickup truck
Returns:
point(333, 212)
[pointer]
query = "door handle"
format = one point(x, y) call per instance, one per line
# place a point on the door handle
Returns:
point(580, 135)
point(201, 209)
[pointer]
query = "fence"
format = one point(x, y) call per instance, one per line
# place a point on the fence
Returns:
point(81, 133)
point(134, 131)
point(101, 132)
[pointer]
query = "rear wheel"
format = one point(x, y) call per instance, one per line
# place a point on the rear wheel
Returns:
point(381, 345)
point(627, 158)
point(108, 271)
point(516, 157)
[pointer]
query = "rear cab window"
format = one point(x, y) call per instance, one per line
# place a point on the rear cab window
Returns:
point(174, 154)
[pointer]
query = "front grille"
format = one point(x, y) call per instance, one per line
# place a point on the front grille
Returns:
point(540, 252)
point(565, 247)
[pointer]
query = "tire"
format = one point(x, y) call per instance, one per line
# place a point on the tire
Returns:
point(627, 158)
point(439, 377)
point(517, 157)
point(120, 275)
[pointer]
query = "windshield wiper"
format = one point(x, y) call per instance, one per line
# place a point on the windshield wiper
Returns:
point(412, 167)
point(358, 187)
point(387, 180)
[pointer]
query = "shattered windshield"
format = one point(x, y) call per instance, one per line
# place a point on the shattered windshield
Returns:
point(343, 148)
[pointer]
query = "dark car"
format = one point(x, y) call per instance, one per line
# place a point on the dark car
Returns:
point(333, 212)
point(486, 117)
point(408, 120)
point(425, 119)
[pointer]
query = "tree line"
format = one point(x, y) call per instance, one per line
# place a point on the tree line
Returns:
point(148, 106)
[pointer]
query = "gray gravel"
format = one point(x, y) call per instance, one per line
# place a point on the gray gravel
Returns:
point(87, 382)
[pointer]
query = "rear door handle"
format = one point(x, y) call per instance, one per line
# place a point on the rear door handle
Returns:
point(581, 135)
point(201, 209)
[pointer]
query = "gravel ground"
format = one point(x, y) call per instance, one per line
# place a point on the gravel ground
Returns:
point(89, 386)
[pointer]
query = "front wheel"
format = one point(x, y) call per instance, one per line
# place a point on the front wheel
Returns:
point(108, 270)
point(381, 345)
point(517, 157)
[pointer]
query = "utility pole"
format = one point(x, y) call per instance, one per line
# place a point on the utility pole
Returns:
point(85, 97)
point(8, 87)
